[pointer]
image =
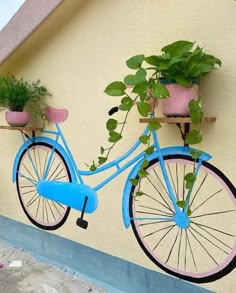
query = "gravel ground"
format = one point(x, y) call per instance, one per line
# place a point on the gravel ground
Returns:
point(21, 272)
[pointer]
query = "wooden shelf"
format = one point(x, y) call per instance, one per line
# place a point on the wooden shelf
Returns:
point(26, 128)
point(176, 120)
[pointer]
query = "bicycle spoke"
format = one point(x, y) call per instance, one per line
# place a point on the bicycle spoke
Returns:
point(38, 207)
point(196, 193)
point(51, 211)
point(149, 196)
point(45, 164)
point(54, 204)
point(148, 213)
point(160, 182)
point(208, 240)
point(180, 239)
point(27, 192)
point(161, 229)
point(209, 227)
point(155, 210)
point(177, 181)
point(40, 166)
point(59, 178)
point(215, 213)
point(160, 194)
point(203, 247)
point(217, 192)
point(56, 176)
point(191, 251)
point(27, 178)
point(145, 224)
point(172, 246)
point(185, 250)
point(29, 173)
point(212, 235)
point(163, 237)
point(32, 200)
point(27, 186)
point(49, 178)
point(184, 183)
point(171, 176)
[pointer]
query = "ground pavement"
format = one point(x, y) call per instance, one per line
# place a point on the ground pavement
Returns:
point(22, 272)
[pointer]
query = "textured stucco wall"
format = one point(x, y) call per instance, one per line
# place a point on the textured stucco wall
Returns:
point(81, 48)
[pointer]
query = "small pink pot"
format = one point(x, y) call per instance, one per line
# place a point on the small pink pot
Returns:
point(177, 103)
point(17, 119)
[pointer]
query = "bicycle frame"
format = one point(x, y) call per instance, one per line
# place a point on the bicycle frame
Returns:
point(137, 161)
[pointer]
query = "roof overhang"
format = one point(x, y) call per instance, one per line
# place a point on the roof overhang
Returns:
point(26, 20)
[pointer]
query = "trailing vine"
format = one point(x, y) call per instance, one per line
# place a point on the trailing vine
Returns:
point(179, 62)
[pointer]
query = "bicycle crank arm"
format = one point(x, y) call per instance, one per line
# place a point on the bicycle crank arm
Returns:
point(69, 194)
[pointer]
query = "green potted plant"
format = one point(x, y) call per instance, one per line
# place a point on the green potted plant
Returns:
point(24, 100)
point(178, 69)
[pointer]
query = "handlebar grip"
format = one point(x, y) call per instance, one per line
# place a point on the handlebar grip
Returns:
point(113, 110)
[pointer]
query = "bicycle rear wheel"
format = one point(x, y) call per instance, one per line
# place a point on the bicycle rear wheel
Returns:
point(204, 251)
point(43, 213)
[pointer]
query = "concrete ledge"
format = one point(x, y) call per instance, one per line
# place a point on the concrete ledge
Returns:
point(94, 264)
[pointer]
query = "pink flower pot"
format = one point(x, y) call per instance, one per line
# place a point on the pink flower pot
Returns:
point(17, 119)
point(177, 103)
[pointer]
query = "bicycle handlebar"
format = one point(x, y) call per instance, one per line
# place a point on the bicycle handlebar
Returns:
point(113, 110)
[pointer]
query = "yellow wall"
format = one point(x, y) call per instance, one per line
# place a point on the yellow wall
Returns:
point(80, 49)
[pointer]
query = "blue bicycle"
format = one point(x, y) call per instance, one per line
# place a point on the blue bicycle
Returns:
point(198, 247)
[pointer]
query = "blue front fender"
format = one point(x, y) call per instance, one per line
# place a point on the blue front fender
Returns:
point(178, 150)
point(49, 141)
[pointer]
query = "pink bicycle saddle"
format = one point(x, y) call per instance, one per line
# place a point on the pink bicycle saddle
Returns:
point(56, 115)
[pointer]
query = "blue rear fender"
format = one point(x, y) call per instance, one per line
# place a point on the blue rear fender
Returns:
point(178, 150)
point(40, 139)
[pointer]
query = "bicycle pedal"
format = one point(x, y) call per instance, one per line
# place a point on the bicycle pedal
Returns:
point(82, 223)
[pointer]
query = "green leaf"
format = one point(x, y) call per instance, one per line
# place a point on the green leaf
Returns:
point(126, 104)
point(135, 62)
point(175, 59)
point(93, 168)
point(142, 173)
point(153, 60)
point(134, 181)
point(153, 125)
point(139, 193)
point(114, 136)
point(140, 88)
point(189, 180)
point(185, 82)
point(195, 154)
point(149, 150)
point(143, 108)
point(160, 91)
point(144, 139)
point(189, 212)
point(102, 150)
point(101, 160)
point(116, 88)
point(181, 203)
point(195, 111)
point(193, 137)
point(178, 48)
point(137, 78)
point(145, 164)
point(111, 124)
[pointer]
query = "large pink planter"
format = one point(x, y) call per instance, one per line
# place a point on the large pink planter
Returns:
point(177, 103)
point(17, 119)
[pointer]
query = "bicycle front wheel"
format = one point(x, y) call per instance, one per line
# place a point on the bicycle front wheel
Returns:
point(43, 213)
point(205, 250)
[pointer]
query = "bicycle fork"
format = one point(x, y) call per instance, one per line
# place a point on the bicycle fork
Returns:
point(180, 217)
